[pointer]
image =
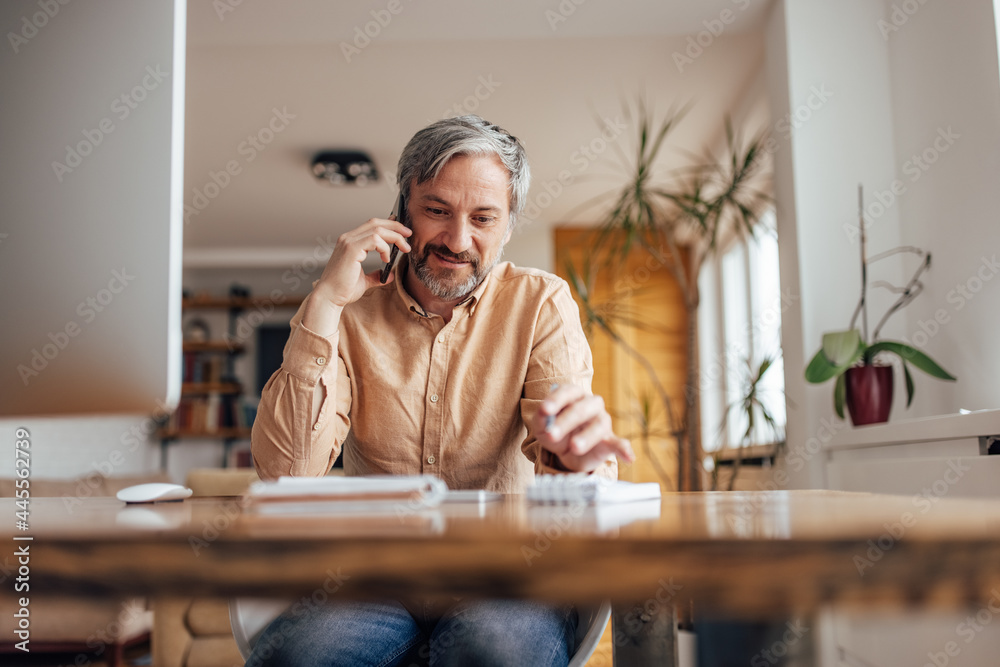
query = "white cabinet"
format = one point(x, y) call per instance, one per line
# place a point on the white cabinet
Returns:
point(928, 459)
point(937, 456)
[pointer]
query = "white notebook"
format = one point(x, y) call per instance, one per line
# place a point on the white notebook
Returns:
point(346, 494)
point(588, 489)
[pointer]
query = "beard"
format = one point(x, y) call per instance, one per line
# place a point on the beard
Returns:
point(445, 283)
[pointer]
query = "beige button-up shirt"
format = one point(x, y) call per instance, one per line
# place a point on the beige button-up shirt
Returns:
point(407, 393)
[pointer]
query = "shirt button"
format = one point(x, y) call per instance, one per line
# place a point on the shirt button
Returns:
point(431, 459)
point(440, 339)
point(320, 360)
point(434, 398)
point(316, 427)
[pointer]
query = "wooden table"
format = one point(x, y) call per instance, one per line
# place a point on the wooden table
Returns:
point(752, 555)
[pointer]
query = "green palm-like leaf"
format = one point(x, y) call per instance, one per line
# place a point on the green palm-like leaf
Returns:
point(913, 355)
point(764, 365)
point(649, 214)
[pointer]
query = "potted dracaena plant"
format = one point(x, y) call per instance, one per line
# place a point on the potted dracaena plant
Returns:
point(676, 220)
point(864, 384)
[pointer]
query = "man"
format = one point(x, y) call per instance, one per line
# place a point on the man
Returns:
point(452, 368)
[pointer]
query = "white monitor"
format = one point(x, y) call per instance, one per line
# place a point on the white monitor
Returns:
point(91, 188)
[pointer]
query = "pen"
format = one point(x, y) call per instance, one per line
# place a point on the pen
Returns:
point(551, 419)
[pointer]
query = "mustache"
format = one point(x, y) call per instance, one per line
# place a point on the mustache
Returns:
point(447, 254)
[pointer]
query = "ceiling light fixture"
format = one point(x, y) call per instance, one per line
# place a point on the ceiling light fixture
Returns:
point(344, 168)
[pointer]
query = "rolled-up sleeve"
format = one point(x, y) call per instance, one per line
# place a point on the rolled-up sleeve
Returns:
point(285, 440)
point(560, 354)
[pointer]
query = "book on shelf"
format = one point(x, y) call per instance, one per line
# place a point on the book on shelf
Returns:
point(245, 411)
point(207, 414)
point(202, 367)
point(213, 405)
point(240, 457)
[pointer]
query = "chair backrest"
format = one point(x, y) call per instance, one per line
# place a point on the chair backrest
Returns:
point(250, 616)
point(589, 630)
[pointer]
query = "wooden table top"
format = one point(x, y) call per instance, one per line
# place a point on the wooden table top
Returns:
point(749, 554)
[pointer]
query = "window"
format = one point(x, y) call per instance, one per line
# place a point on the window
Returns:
point(740, 326)
point(996, 19)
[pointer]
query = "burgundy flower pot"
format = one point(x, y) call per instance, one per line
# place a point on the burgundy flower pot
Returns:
point(869, 394)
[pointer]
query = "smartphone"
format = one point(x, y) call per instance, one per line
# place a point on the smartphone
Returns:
point(399, 214)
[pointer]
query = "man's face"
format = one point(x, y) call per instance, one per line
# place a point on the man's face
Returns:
point(460, 223)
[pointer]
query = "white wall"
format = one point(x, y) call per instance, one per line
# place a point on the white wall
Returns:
point(894, 89)
point(829, 88)
point(944, 67)
point(68, 447)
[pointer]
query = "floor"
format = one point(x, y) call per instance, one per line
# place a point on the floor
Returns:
point(135, 656)
point(602, 654)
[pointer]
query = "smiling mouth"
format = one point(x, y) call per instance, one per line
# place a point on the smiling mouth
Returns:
point(448, 261)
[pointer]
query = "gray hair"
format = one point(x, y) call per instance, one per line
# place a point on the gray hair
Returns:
point(430, 149)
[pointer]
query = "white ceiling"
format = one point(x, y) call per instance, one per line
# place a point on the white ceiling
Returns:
point(246, 22)
point(547, 87)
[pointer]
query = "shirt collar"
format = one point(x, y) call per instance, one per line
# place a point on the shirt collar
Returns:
point(399, 271)
point(470, 303)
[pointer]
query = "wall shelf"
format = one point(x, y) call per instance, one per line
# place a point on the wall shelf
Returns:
point(214, 346)
point(211, 407)
point(237, 433)
point(240, 303)
point(202, 388)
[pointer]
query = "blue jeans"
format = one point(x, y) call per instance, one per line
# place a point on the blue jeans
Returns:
point(482, 632)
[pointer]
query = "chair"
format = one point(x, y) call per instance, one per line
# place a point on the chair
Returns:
point(250, 616)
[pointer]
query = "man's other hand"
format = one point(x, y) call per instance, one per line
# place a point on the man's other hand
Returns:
point(580, 433)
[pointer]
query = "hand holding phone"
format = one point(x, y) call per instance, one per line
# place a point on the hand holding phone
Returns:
point(398, 214)
point(344, 278)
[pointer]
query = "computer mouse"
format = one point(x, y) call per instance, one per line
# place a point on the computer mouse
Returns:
point(153, 492)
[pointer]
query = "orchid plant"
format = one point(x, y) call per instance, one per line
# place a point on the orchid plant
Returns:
point(842, 350)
